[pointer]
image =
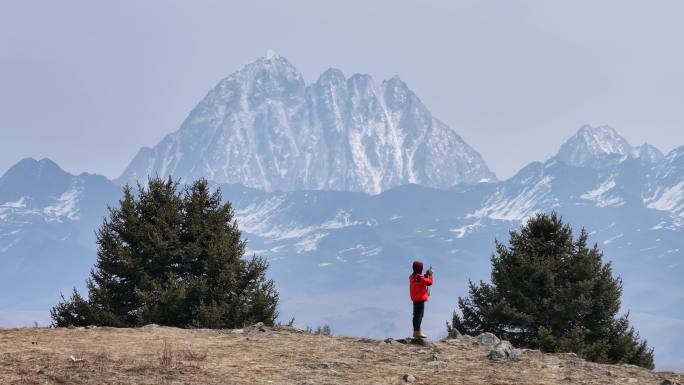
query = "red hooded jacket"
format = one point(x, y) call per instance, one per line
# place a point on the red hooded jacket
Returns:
point(418, 284)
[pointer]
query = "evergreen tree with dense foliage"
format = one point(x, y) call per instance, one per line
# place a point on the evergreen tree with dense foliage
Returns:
point(552, 292)
point(174, 257)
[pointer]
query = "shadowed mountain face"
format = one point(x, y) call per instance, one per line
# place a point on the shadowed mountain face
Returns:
point(263, 127)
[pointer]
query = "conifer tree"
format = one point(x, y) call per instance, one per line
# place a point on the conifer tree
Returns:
point(552, 292)
point(172, 257)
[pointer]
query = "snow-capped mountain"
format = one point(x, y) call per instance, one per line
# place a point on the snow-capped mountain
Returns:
point(263, 127)
point(593, 145)
point(648, 153)
point(47, 223)
point(595, 167)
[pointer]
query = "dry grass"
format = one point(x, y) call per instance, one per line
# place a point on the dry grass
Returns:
point(277, 356)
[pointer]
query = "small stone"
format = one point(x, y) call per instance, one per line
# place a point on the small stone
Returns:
point(150, 326)
point(453, 333)
point(308, 382)
point(391, 341)
point(91, 327)
point(333, 372)
point(631, 380)
point(668, 382)
point(324, 365)
point(437, 365)
point(408, 378)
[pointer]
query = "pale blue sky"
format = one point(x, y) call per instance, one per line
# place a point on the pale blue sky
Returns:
point(88, 83)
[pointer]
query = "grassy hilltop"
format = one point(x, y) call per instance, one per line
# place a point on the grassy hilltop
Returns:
point(280, 355)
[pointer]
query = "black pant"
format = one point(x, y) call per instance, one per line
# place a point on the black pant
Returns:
point(418, 310)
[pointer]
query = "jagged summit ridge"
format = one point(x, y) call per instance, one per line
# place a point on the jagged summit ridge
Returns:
point(265, 128)
point(592, 143)
point(648, 153)
point(602, 145)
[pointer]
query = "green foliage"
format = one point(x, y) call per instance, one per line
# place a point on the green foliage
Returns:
point(172, 257)
point(552, 292)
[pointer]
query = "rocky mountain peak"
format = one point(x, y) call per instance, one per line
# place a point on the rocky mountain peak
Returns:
point(31, 177)
point(591, 144)
point(648, 153)
point(263, 127)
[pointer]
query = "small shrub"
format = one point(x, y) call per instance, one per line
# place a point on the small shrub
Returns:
point(320, 330)
point(189, 355)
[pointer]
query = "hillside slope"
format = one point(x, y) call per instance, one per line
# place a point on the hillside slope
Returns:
point(258, 355)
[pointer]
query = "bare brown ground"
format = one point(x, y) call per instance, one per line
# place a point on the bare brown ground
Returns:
point(277, 356)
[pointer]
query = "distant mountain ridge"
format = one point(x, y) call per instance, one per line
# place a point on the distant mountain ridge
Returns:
point(263, 127)
point(48, 219)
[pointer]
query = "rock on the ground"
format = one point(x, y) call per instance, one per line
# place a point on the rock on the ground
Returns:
point(502, 351)
point(488, 339)
point(409, 378)
point(453, 333)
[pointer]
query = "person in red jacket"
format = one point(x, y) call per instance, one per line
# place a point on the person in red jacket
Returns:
point(418, 286)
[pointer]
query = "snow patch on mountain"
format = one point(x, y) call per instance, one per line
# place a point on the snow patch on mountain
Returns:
point(309, 243)
point(613, 239)
point(668, 199)
point(65, 206)
point(258, 219)
point(463, 231)
point(521, 206)
point(602, 197)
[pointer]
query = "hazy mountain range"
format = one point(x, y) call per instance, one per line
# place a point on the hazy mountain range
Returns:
point(343, 182)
